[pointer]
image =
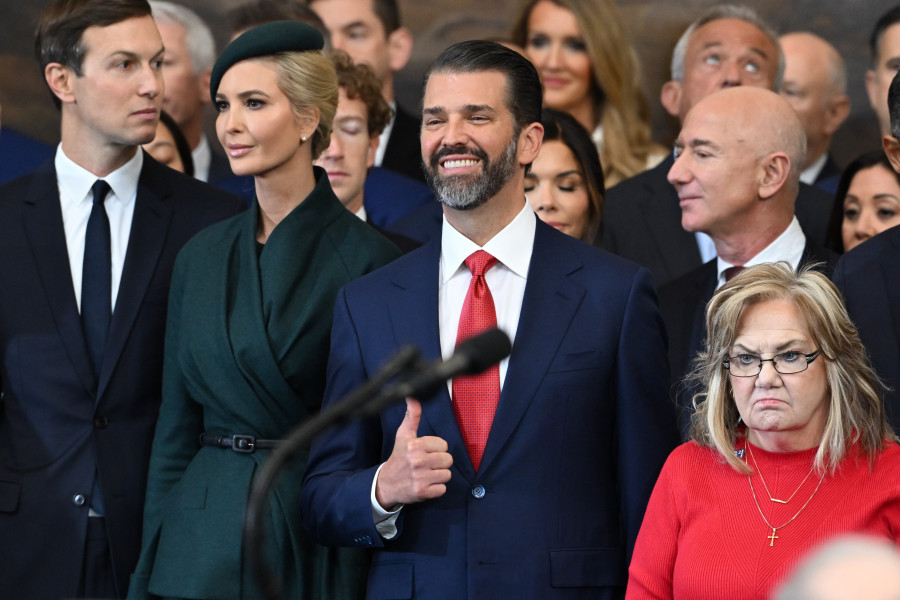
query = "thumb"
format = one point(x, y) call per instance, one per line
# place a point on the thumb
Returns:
point(409, 428)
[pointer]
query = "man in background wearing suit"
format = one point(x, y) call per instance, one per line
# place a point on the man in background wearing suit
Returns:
point(370, 32)
point(530, 480)
point(815, 85)
point(869, 278)
point(88, 242)
point(737, 175)
point(726, 46)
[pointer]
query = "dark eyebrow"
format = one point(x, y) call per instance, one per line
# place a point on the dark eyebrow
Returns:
point(567, 173)
point(433, 110)
point(474, 108)
point(780, 348)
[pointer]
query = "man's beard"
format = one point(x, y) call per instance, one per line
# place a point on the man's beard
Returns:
point(465, 192)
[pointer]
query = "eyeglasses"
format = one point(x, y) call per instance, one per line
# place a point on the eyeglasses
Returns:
point(786, 363)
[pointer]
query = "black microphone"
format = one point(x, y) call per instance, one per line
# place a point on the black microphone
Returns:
point(474, 355)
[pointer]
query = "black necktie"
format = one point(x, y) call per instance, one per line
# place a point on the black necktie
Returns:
point(96, 282)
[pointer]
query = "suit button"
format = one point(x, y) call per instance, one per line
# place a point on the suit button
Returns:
point(478, 491)
point(78, 499)
point(101, 422)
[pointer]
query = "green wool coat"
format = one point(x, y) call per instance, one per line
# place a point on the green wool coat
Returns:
point(246, 351)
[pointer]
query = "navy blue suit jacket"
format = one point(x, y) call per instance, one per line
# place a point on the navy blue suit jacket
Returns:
point(390, 196)
point(20, 154)
point(581, 430)
point(58, 422)
point(869, 277)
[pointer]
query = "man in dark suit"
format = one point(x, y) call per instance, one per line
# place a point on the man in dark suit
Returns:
point(727, 46)
point(737, 176)
point(20, 154)
point(370, 32)
point(532, 480)
point(869, 278)
point(815, 85)
point(82, 316)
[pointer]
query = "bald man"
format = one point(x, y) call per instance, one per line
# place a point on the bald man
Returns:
point(737, 174)
point(726, 46)
point(815, 85)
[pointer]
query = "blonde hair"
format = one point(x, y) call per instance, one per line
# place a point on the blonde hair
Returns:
point(856, 402)
point(309, 80)
point(620, 103)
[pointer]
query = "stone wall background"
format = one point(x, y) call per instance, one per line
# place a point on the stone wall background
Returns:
point(654, 26)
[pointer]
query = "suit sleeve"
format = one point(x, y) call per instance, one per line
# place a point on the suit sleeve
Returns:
point(175, 441)
point(651, 573)
point(335, 500)
point(645, 415)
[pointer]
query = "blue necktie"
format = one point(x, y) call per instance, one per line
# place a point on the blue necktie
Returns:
point(96, 282)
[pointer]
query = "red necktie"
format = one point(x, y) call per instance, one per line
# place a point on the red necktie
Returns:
point(475, 397)
point(730, 272)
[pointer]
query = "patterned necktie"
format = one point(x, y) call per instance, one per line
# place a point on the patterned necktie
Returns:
point(730, 272)
point(96, 281)
point(475, 397)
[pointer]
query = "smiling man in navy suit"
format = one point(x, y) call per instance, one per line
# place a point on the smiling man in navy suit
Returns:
point(81, 387)
point(534, 485)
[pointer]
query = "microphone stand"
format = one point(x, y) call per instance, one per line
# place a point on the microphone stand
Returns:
point(355, 404)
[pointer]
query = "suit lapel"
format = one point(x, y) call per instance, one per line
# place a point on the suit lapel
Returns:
point(47, 237)
point(152, 214)
point(551, 299)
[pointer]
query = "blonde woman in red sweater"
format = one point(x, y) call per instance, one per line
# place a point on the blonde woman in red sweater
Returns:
point(790, 445)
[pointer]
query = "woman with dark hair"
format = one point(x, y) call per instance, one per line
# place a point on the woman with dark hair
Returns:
point(248, 335)
point(565, 182)
point(866, 203)
point(170, 147)
point(590, 70)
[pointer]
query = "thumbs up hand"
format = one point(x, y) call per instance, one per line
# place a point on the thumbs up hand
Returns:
point(418, 468)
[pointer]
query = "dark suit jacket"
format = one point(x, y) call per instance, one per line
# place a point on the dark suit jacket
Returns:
point(221, 176)
point(869, 277)
point(20, 154)
point(58, 423)
point(423, 224)
point(829, 177)
point(581, 430)
point(390, 196)
point(403, 153)
point(683, 305)
point(642, 222)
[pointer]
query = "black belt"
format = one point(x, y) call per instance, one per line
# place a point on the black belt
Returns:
point(244, 444)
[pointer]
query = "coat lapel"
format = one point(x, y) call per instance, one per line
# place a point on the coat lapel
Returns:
point(551, 299)
point(150, 224)
point(44, 230)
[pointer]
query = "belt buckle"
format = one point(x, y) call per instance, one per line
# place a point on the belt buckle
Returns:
point(243, 444)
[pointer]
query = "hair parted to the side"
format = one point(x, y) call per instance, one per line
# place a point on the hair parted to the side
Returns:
point(619, 99)
point(856, 402)
point(563, 127)
point(523, 85)
point(360, 82)
point(60, 26)
point(725, 11)
point(308, 79)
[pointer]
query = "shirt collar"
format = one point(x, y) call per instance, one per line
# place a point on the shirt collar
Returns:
point(512, 245)
point(75, 181)
point(201, 156)
point(810, 173)
point(788, 247)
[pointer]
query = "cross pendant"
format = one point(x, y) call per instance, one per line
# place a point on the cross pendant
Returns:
point(772, 538)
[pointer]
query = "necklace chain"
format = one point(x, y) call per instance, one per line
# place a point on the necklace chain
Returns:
point(763, 479)
point(772, 537)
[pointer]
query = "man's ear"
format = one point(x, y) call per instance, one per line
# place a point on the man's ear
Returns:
point(400, 44)
point(837, 112)
point(203, 82)
point(776, 168)
point(670, 97)
point(60, 79)
point(871, 89)
point(892, 150)
point(530, 140)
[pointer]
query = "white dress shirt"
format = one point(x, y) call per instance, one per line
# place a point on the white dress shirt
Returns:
point(512, 247)
point(76, 200)
point(202, 159)
point(810, 173)
point(385, 135)
point(787, 247)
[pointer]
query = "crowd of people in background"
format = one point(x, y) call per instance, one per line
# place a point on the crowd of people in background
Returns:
point(701, 396)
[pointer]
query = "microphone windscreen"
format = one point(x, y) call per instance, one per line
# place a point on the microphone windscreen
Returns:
point(484, 350)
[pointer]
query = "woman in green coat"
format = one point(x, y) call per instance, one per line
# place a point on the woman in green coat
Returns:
point(247, 336)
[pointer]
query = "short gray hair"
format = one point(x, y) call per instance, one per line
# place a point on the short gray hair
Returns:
point(725, 11)
point(200, 43)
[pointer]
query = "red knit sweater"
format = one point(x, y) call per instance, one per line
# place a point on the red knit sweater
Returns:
point(703, 537)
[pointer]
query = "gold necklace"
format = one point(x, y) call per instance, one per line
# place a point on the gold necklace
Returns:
point(774, 529)
point(763, 479)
